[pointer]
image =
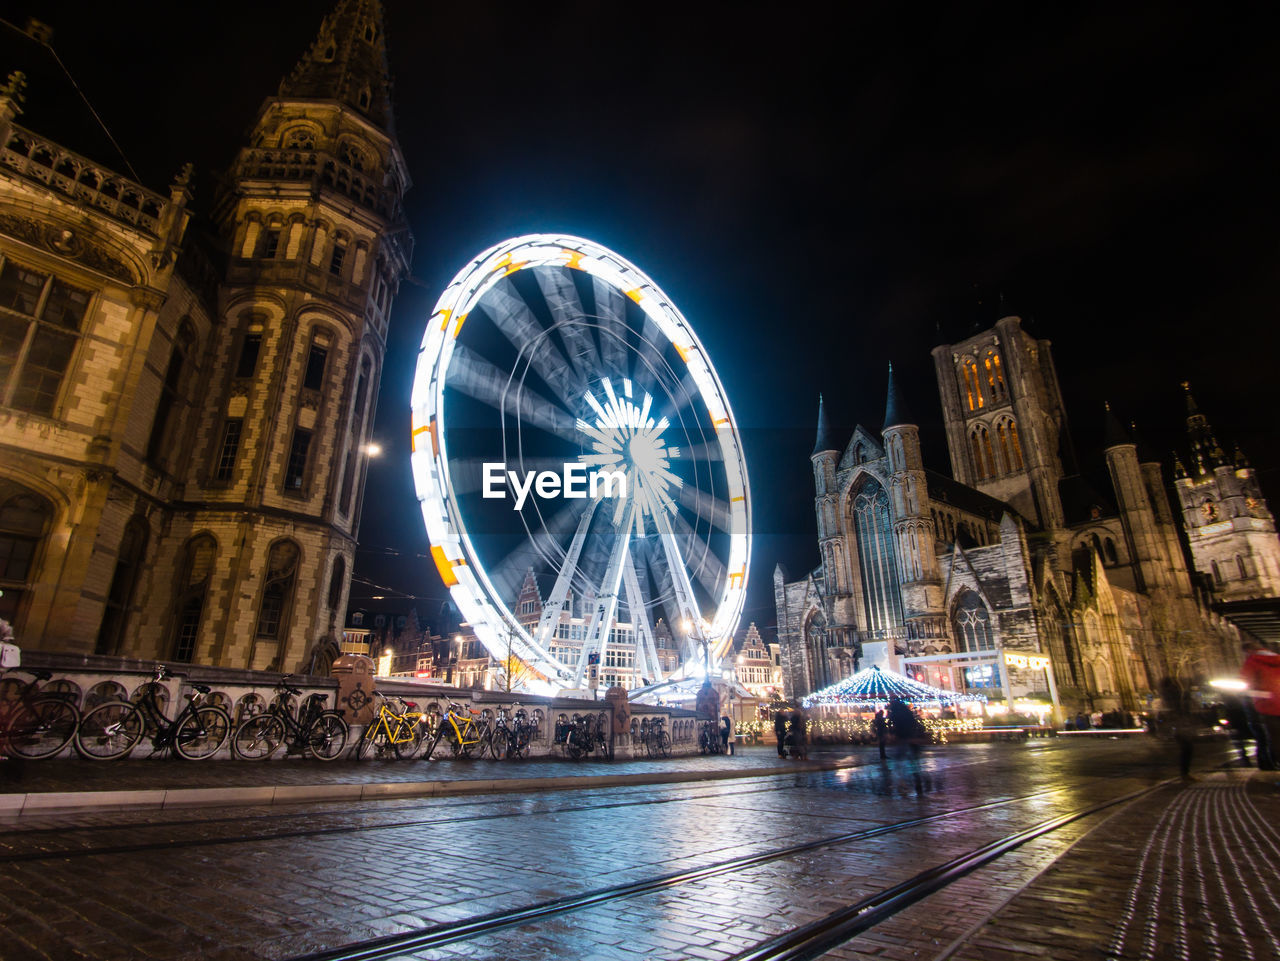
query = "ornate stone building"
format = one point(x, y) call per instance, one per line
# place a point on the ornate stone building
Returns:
point(184, 425)
point(980, 582)
point(1231, 531)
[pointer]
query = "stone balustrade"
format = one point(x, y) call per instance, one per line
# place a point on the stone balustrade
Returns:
point(81, 180)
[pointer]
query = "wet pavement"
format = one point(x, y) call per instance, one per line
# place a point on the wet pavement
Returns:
point(1183, 871)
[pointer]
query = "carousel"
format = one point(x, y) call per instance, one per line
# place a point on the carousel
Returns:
point(871, 689)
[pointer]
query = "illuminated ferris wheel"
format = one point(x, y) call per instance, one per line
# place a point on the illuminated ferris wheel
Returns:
point(568, 422)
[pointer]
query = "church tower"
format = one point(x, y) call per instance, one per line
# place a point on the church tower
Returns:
point(1231, 530)
point(316, 244)
point(913, 530)
point(1005, 421)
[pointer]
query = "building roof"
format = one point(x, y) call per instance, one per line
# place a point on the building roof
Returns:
point(822, 442)
point(347, 62)
point(948, 491)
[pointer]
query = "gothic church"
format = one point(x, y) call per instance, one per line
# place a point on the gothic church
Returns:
point(979, 583)
point(184, 424)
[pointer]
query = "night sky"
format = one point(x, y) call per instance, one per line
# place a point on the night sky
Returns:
point(821, 190)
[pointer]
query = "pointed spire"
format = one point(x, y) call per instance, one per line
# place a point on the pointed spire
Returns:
point(1179, 471)
point(348, 63)
point(895, 409)
point(1113, 431)
point(1241, 460)
point(1204, 446)
point(822, 443)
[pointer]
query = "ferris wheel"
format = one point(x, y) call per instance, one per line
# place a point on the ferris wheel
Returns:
point(568, 425)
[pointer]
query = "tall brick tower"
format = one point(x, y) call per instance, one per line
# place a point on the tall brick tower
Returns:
point(316, 244)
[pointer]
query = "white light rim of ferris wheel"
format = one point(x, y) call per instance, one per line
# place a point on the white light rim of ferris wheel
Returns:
point(451, 548)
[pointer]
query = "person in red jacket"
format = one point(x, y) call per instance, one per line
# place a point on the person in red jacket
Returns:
point(1261, 672)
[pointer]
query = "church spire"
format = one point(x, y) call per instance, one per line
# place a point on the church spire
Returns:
point(1204, 446)
point(823, 441)
point(895, 409)
point(347, 62)
point(1114, 434)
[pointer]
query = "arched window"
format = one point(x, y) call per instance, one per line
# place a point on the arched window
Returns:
point(972, 383)
point(1240, 567)
point(337, 580)
point(115, 617)
point(346, 499)
point(878, 566)
point(972, 624)
point(1109, 551)
point(171, 395)
point(40, 318)
point(25, 519)
point(994, 377)
point(1010, 449)
point(859, 454)
point(277, 590)
point(1217, 573)
point(984, 457)
point(193, 590)
point(300, 138)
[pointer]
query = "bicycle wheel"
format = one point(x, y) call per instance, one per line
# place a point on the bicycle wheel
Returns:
point(464, 746)
point(202, 733)
point(326, 738)
point(375, 743)
point(109, 731)
point(518, 744)
point(41, 728)
point(407, 739)
point(499, 744)
point(664, 743)
point(257, 737)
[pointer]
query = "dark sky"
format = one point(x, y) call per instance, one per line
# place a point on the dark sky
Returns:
point(821, 190)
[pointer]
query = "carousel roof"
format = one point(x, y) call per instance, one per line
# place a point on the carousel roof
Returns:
point(873, 684)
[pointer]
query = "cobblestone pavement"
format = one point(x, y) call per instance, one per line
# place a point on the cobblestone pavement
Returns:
point(74, 774)
point(280, 882)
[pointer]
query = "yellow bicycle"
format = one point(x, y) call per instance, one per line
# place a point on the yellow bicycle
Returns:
point(458, 726)
point(397, 730)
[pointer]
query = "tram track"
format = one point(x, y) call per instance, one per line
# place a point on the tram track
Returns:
point(807, 939)
point(346, 828)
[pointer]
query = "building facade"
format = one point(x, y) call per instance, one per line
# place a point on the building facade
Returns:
point(184, 425)
point(1015, 577)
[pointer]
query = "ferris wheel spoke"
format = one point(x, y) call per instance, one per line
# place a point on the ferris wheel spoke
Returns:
point(553, 607)
point(611, 313)
point(638, 611)
point(514, 318)
point(606, 601)
point(471, 374)
point(707, 567)
point(686, 602)
point(708, 507)
point(538, 550)
point(562, 297)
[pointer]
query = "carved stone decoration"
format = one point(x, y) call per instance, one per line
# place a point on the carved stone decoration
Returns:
point(65, 243)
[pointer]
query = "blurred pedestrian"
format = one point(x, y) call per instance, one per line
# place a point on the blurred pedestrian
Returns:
point(1237, 710)
point(1261, 673)
point(726, 734)
point(1177, 723)
point(1082, 721)
point(880, 728)
point(780, 731)
point(906, 727)
point(796, 736)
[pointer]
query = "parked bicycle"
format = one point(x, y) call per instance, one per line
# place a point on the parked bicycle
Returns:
point(397, 729)
point(315, 731)
point(524, 730)
point(458, 727)
point(36, 723)
point(582, 736)
point(113, 729)
point(709, 741)
point(654, 737)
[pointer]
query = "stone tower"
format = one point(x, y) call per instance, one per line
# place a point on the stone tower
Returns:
point(913, 530)
point(1005, 421)
point(1231, 530)
point(316, 244)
